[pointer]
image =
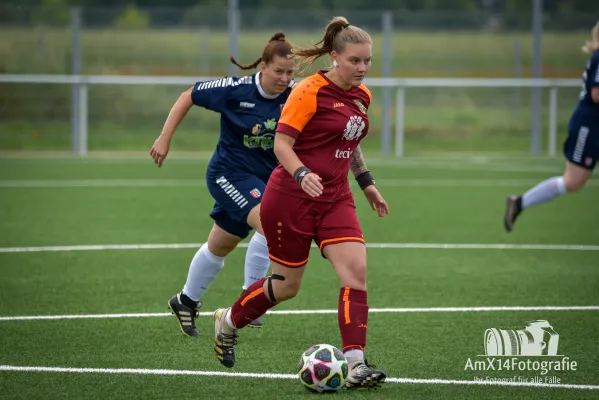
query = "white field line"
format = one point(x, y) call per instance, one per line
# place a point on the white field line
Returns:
point(314, 312)
point(448, 246)
point(137, 183)
point(136, 371)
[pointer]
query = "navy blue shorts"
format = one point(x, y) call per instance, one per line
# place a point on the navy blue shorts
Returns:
point(582, 145)
point(235, 195)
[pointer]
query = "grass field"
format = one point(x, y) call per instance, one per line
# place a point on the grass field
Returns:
point(441, 271)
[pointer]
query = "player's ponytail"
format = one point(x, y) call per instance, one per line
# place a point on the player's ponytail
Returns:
point(337, 33)
point(276, 46)
point(591, 46)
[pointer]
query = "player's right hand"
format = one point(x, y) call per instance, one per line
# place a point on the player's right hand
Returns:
point(311, 184)
point(159, 150)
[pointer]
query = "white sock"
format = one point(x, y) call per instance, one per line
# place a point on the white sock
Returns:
point(544, 192)
point(256, 260)
point(202, 271)
point(354, 355)
point(228, 319)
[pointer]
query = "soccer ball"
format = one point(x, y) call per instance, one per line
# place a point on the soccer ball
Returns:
point(323, 368)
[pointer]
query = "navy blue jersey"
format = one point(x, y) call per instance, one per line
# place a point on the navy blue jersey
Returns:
point(248, 121)
point(582, 144)
point(587, 109)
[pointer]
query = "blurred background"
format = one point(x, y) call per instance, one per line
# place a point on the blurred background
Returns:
point(192, 39)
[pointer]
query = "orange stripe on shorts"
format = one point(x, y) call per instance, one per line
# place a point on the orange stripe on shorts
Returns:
point(286, 263)
point(346, 305)
point(341, 239)
point(252, 295)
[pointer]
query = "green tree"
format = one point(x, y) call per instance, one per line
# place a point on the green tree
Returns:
point(132, 18)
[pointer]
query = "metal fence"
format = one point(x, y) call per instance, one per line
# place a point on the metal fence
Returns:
point(197, 42)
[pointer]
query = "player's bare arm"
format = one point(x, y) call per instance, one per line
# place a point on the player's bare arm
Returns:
point(366, 182)
point(595, 94)
point(309, 181)
point(160, 147)
point(357, 163)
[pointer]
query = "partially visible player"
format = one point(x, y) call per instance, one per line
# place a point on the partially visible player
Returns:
point(308, 197)
point(581, 148)
point(241, 165)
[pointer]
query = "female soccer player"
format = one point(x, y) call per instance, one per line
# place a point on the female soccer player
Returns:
point(308, 197)
point(581, 148)
point(238, 170)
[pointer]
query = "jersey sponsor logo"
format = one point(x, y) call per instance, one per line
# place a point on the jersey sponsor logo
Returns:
point(353, 129)
point(255, 193)
point(337, 105)
point(343, 153)
point(246, 104)
point(361, 106)
point(262, 135)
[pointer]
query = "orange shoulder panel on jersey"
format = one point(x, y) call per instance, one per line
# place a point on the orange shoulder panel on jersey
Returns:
point(300, 106)
point(367, 91)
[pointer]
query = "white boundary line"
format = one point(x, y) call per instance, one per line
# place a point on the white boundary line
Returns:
point(492, 182)
point(136, 371)
point(448, 246)
point(313, 312)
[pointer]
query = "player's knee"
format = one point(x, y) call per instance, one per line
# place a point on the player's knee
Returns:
point(354, 274)
point(289, 290)
point(574, 184)
point(221, 248)
point(282, 288)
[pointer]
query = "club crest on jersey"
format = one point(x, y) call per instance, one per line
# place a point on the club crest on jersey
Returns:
point(353, 129)
point(255, 193)
point(361, 106)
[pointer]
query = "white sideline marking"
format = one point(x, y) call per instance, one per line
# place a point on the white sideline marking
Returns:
point(312, 312)
point(139, 371)
point(497, 182)
point(449, 246)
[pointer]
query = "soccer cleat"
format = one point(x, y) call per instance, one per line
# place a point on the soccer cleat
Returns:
point(361, 374)
point(513, 209)
point(185, 315)
point(225, 338)
point(257, 323)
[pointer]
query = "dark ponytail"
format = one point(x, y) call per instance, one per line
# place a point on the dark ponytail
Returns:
point(276, 46)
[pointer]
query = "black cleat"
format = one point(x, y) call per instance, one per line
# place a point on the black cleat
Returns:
point(185, 315)
point(361, 374)
point(225, 338)
point(513, 209)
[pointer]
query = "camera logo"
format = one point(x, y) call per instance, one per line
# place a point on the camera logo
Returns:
point(536, 339)
point(531, 349)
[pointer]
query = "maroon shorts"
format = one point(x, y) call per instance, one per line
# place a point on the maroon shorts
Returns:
point(291, 223)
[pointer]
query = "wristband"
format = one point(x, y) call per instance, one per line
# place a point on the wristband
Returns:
point(365, 179)
point(300, 173)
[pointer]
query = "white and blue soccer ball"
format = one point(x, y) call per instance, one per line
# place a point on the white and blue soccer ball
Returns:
point(323, 368)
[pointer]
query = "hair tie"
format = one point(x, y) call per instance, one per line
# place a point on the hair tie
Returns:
point(345, 26)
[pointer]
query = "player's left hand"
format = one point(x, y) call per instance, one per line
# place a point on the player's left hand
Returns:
point(376, 201)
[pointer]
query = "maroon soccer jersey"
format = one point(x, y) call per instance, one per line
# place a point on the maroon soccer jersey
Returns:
point(327, 123)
